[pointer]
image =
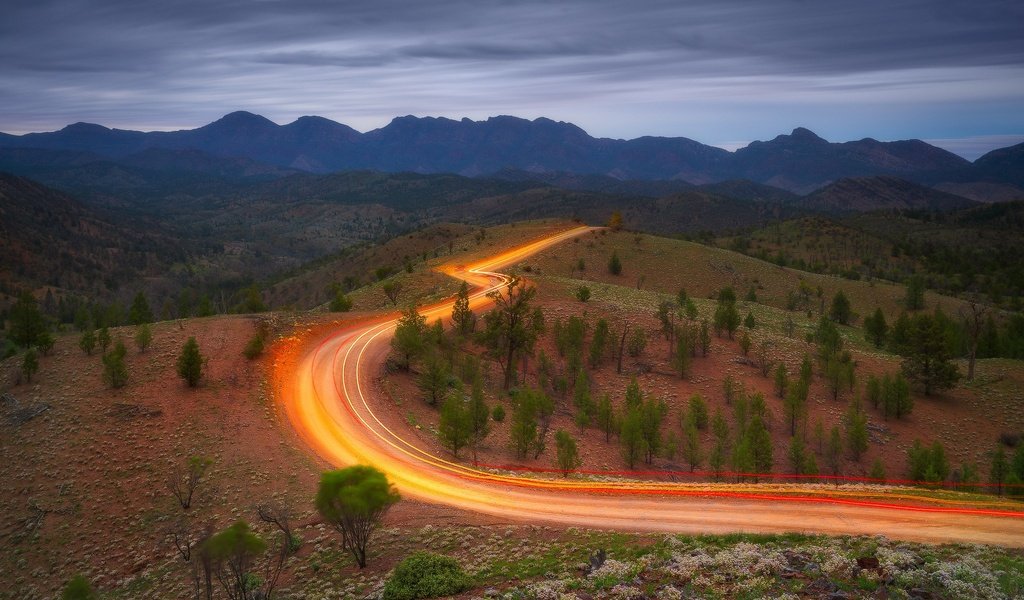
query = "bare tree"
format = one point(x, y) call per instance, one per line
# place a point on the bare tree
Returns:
point(973, 316)
point(183, 481)
point(392, 289)
point(279, 515)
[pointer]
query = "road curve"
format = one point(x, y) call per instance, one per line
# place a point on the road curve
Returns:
point(326, 397)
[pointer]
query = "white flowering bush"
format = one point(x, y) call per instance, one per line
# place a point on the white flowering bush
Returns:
point(967, 578)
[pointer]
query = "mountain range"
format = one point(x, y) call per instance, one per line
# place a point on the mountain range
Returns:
point(508, 147)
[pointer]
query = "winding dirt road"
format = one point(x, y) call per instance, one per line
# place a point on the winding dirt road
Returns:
point(328, 401)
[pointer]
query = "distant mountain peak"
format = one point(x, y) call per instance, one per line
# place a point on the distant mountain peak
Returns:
point(82, 127)
point(804, 134)
point(242, 119)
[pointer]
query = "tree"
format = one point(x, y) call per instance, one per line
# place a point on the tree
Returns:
point(745, 343)
point(760, 442)
point(719, 452)
point(873, 390)
point(914, 299)
point(78, 588)
point(392, 290)
point(896, 398)
point(763, 358)
point(834, 451)
point(631, 436)
point(698, 413)
point(727, 318)
point(254, 347)
point(88, 341)
point(115, 372)
point(839, 374)
point(615, 221)
point(876, 329)
point(478, 416)
point(840, 309)
point(233, 552)
point(794, 405)
point(856, 422)
point(704, 338)
point(781, 380)
point(508, 330)
point(877, 470)
point(410, 331)
point(433, 381)
point(140, 312)
point(455, 428)
point(581, 399)
point(103, 339)
point(599, 342)
point(354, 501)
point(45, 342)
point(1000, 469)
point(190, 363)
point(614, 264)
point(927, 360)
point(26, 322)
point(682, 356)
point(143, 337)
point(463, 319)
point(341, 302)
point(652, 413)
point(691, 446)
point(797, 455)
point(749, 321)
point(637, 342)
point(567, 455)
point(605, 417)
point(183, 481)
point(974, 317)
point(30, 364)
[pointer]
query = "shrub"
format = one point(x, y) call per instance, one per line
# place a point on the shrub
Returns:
point(254, 348)
point(498, 414)
point(78, 589)
point(425, 575)
point(583, 293)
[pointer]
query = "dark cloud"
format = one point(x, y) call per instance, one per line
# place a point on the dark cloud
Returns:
point(711, 69)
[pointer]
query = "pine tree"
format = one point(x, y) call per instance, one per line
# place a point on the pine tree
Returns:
point(409, 340)
point(704, 337)
point(840, 309)
point(88, 341)
point(720, 450)
point(856, 430)
point(190, 363)
point(433, 381)
point(877, 470)
point(698, 413)
point(455, 427)
point(876, 329)
point(605, 417)
point(927, 359)
point(140, 312)
point(631, 436)
point(1000, 469)
point(781, 380)
point(599, 342)
point(30, 364)
point(103, 339)
point(115, 372)
point(143, 337)
point(26, 322)
point(463, 319)
point(479, 416)
point(794, 405)
point(691, 446)
point(614, 264)
point(797, 455)
point(567, 455)
point(834, 451)
point(760, 444)
point(914, 299)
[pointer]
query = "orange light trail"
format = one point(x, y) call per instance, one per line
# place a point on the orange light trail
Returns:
point(325, 394)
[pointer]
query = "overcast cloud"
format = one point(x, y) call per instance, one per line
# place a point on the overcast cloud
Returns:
point(711, 70)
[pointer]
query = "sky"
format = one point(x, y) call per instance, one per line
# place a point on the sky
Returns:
point(718, 71)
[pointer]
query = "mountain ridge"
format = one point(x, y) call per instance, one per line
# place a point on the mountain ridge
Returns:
point(800, 161)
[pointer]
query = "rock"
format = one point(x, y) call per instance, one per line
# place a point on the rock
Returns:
point(867, 562)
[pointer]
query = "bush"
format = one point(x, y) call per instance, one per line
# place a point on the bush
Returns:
point(254, 348)
point(498, 414)
point(583, 293)
point(425, 575)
